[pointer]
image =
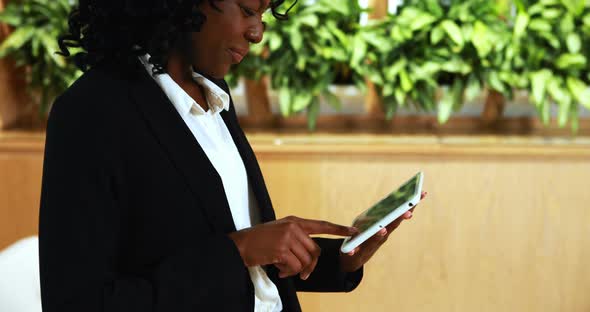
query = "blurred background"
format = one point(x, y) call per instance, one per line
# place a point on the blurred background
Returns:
point(344, 102)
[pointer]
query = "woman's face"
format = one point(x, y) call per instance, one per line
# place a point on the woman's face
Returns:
point(226, 35)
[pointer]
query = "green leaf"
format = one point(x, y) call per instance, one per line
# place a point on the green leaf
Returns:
point(309, 20)
point(568, 60)
point(400, 96)
point(551, 39)
point(313, 112)
point(495, 82)
point(359, 51)
point(574, 43)
point(16, 40)
point(473, 88)
point(50, 45)
point(520, 25)
point(562, 97)
point(539, 81)
point(301, 62)
point(11, 16)
point(393, 71)
point(535, 9)
point(296, 40)
point(424, 71)
point(445, 107)
point(540, 25)
point(467, 31)
point(434, 8)
point(301, 100)
point(422, 20)
point(285, 101)
point(575, 7)
point(379, 42)
point(552, 13)
point(452, 100)
point(563, 113)
point(405, 81)
point(575, 119)
point(549, 2)
point(481, 39)
point(275, 42)
point(396, 34)
point(390, 107)
point(567, 24)
point(332, 100)
point(556, 91)
point(456, 65)
point(336, 32)
point(387, 90)
point(453, 31)
point(579, 90)
point(437, 34)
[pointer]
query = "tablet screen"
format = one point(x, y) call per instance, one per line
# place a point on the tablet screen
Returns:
point(387, 205)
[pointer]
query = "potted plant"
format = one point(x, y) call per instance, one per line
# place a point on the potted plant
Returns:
point(309, 53)
point(445, 52)
point(390, 53)
point(468, 44)
point(551, 50)
point(33, 45)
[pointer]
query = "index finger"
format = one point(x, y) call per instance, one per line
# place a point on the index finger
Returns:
point(325, 227)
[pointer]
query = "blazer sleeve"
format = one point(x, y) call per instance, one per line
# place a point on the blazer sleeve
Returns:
point(79, 236)
point(327, 276)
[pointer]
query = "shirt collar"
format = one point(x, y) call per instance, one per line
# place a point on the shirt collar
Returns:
point(217, 98)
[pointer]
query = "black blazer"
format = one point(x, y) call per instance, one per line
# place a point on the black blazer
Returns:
point(133, 215)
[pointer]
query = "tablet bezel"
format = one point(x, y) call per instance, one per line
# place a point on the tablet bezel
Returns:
point(349, 244)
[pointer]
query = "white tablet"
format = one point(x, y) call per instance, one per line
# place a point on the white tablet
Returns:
point(384, 212)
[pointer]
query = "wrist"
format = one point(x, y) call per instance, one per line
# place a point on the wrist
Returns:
point(348, 264)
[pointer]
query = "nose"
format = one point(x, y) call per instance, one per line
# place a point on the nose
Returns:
point(254, 33)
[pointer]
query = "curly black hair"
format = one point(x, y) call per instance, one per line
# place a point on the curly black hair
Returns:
point(121, 30)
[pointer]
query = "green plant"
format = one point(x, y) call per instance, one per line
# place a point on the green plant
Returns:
point(459, 44)
point(551, 46)
point(37, 24)
point(309, 52)
point(391, 54)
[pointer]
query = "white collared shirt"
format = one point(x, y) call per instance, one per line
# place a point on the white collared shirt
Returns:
point(212, 134)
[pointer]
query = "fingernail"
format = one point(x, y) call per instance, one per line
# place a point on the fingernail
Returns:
point(304, 277)
point(351, 253)
point(383, 232)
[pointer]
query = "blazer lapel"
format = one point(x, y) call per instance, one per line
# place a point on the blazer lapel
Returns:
point(184, 151)
point(248, 157)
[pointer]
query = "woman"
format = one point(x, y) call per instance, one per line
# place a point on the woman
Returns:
point(152, 199)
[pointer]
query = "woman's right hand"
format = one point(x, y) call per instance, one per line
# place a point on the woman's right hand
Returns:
point(286, 244)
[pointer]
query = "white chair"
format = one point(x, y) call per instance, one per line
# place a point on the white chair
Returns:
point(20, 289)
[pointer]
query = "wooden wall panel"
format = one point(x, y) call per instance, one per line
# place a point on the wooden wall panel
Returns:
point(497, 232)
point(21, 163)
point(505, 226)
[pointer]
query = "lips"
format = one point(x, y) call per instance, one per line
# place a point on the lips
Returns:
point(237, 54)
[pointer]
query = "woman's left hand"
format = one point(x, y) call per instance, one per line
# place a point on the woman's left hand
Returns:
point(355, 259)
